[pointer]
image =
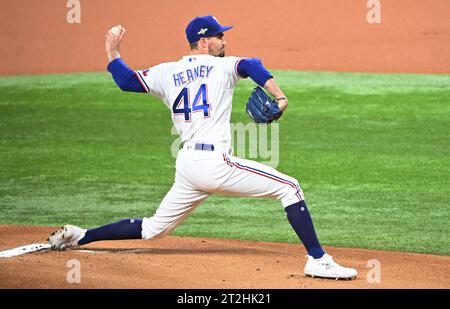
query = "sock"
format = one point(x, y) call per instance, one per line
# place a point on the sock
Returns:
point(300, 220)
point(124, 229)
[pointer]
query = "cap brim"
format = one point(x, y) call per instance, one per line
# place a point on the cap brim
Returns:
point(225, 28)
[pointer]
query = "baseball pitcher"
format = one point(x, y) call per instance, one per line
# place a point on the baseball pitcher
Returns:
point(198, 89)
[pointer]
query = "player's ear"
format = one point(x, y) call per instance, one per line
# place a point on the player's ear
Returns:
point(203, 43)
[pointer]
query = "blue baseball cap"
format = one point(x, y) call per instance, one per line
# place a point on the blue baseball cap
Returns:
point(204, 26)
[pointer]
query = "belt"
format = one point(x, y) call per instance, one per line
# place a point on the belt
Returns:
point(207, 147)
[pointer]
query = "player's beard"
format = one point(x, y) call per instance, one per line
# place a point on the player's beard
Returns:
point(217, 53)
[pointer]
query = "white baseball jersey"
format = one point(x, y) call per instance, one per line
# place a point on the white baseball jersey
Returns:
point(199, 91)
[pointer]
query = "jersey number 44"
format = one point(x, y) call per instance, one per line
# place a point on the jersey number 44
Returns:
point(183, 106)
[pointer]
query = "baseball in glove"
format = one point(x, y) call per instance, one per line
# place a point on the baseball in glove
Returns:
point(261, 107)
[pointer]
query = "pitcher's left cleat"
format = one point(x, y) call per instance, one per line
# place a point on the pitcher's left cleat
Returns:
point(325, 267)
point(66, 237)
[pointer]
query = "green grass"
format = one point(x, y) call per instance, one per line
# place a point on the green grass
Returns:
point(371, 152)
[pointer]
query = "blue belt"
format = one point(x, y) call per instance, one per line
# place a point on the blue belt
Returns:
point(207, 147)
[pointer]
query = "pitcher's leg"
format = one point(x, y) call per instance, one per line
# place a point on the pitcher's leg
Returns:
point(253, 179)
point(72, 236)
point(123, 229)
point(250, 178)
point(178, 203)
point(301, 221)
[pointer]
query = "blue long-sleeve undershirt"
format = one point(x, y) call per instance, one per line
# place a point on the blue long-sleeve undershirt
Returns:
point(253, 68)
point(124, 77)
point(127, 80)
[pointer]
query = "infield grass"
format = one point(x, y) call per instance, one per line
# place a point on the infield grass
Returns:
point(371, 152)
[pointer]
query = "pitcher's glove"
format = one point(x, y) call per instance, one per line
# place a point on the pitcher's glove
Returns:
point(262, 108)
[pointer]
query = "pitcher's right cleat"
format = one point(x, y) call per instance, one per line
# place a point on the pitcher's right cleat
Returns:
point(325, 267)
point(66, 237)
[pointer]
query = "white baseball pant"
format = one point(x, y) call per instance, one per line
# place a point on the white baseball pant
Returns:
point(200, 173)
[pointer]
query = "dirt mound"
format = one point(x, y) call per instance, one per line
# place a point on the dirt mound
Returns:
point(186, 262)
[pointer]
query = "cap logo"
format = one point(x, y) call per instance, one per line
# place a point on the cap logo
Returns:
point(202, 31)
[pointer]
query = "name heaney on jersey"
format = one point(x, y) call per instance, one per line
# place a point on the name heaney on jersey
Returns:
point(190, 75)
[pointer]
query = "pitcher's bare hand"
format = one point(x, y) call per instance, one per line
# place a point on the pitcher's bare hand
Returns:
point(113, 39)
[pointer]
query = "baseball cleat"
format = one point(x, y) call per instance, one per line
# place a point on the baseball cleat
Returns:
point(66, 237)
point(325, 267)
